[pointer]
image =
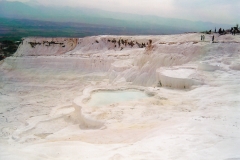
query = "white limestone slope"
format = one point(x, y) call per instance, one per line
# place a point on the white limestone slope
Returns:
point(45, 46)
point(193, 112)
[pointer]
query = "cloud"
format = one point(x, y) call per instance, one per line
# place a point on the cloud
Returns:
point(220, 11)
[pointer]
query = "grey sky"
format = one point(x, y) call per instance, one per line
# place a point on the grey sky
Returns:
point(219, 11)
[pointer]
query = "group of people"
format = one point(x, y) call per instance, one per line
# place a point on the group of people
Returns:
point(234, 30)
point(203, 38)
point(221, 31)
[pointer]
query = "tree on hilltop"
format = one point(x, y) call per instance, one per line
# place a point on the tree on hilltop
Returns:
point(236, 28)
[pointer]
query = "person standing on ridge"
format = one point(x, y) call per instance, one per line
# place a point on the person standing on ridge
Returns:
point(231, 31)
point(213, 38)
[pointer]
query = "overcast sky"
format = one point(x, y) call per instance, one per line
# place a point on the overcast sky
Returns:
point(218, 11)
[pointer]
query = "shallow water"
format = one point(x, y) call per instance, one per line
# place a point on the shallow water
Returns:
point(102, 98)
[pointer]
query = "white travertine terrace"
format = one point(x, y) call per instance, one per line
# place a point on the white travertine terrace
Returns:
point(177, 78)
point(192, 113)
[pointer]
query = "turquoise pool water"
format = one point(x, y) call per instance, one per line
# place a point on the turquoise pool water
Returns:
point(103, 98)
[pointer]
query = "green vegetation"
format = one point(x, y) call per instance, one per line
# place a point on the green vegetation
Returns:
point(15, 30)
point(8, 48)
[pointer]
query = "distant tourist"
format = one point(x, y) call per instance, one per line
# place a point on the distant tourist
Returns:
point(203, 37)
point(213, 38)
point(231, 30)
